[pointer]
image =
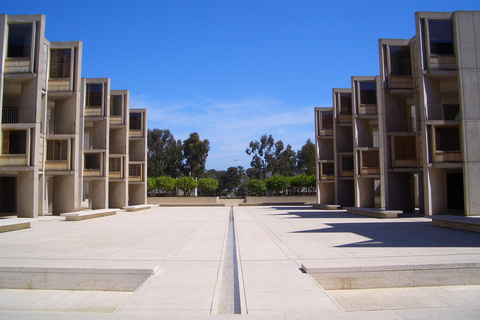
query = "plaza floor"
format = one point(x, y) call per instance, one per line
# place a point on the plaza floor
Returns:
point(187, 248)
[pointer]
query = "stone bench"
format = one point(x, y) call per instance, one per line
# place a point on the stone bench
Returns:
point(374, 212)
point(323, 206)
point(88, 214)
point(137, 207)
point(457, 222)
point(13, 224)
point(272, 204)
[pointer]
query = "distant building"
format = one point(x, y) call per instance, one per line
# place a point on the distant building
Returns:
point(67, 143)
point(408, 138)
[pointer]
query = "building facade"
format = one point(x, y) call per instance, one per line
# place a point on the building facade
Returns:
point(412, 130)
point(64, 139)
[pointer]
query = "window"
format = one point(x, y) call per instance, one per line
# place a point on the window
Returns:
point(94, 94)
point(405, 148)
point(115, 164)
point(116, 105)
point(14, 142)
point(345, 103)
point(92, 161)
point(447, 139)
point(135, 121)
point(370, 159)
point(400, 61)
point(135, 170)
point(60, 63)
point(441, 38)
point(347, 163)
point(328, 168)
point(19, 40)
point(57, 150)
point(368, 93)
point(327, 120)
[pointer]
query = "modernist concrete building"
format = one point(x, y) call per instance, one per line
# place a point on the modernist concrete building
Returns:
point(64, 139)
point(415, 127)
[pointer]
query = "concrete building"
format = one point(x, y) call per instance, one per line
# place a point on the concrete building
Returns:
point(325, 155)
point(59, 133)
point(415, 126)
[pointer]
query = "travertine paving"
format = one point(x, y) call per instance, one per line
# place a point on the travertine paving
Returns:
point(187, 247)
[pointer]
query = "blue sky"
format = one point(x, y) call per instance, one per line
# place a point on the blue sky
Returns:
point(231, 70)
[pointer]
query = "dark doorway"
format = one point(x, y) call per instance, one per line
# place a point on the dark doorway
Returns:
point(454, 186)
point(8, 199)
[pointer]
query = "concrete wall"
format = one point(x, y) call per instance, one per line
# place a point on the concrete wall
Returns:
point(306, 199)
point(160, 200)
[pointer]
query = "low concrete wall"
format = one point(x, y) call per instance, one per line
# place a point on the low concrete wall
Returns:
point(306, 199)
point(160, 200)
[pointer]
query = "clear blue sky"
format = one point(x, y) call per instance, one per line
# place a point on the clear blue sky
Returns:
point(231, 70)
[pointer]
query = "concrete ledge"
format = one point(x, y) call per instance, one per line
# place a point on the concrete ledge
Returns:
point(374, 212)
point(192, 205)
point(7, 225)
point(88, 214)
point(138, 207)
point(406, 274)
point(457, 222)
point(323, 206)
point(272, 204)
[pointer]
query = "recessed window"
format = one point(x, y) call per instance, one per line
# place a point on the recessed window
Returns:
point(135, 170)
point(447, 139)
point(19, 40)
point(328, 168)
point(135, 121)
point(57, 150)
point(14, 142)
point(347, 163)
point(441, 37)
point(345, 103)
point(370, 159)
point(116, 105)
point(115, 164)
point(92, 161)
point(60, 61)
point(405, 148)
point(368, 93)
point(400, 61)
point(327, 120)
point(94, 94)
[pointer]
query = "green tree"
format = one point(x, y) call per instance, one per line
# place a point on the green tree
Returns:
point(277, 183)
point(232, 178)
point(256, 187)
point(299, 182)
point(286, 162)
point(164, 154)
point(166, 183)
point(195, 153)
point(262, 153)
point(208, 185)
point(306, 158)
point(186, 184)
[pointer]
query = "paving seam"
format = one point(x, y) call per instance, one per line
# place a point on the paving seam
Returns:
point(218, 282)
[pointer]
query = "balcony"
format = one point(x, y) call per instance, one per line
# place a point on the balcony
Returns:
point(346, 166)
point(344, 118)
point(18, 115)
point(327, 171)
point(57, 166)
point(369, 162)
point(59, 85)
point(367, 109)
point(60, 127)
point(135, 133)
point(16, 160)
point(443, 112)
point(325, 123)
point(400, 82)
point(404, 152)
point(18, 65)
point(443, 62)
point(135, 172)
point(93, 112)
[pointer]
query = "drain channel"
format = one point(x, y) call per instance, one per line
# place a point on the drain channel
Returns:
point(229, 300)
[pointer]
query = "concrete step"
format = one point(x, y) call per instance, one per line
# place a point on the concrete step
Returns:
point(88, 214)
point(7, 225)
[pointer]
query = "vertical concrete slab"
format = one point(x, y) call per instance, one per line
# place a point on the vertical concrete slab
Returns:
point(27, 194)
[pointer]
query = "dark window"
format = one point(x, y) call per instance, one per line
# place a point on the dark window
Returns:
point(370, 159)
point(135, 170)
point(19, 40)
point(57, 150)
point(400, 61)
point(116, 105)
point(347, 163)
point(135, 121)
point(14, 142)
point(368, 92)
point(345, 103)
point(447, 138)
point(115, 164)
point(441, 38)
point(92, 161)
point(405, 148)
point(94, 94)
point(451, 112)
point(327, 168)
point(327, 120)
point(60, 63)
point(454, 186)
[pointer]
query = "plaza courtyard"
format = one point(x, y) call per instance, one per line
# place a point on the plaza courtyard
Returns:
point(271, 262)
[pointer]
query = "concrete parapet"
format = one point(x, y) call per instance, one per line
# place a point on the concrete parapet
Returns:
point(276, 200)
point(457, 222)
point(170, 200)
point(325, 206)
point(13, 224)
point(374, 212)
point(89, 214)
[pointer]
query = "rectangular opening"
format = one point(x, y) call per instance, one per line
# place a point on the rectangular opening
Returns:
point(14, 142)
point(135, 170)
point(405, 148)
point(327, 119)
point(92, 161)
point(60, 63)
point(347, 163)
point(400, 64)
point(115, 164)
point(345, 103)
point(19, 40)
point(454, 190)
point(135, 121)
point(8, 195)
point(57, 150)
point(94, 95)
point(368, 93)
point(370, 159)
point(447, 139)
point(328, 168)
point(451, 112)
point(441, 37)
point(116, 105)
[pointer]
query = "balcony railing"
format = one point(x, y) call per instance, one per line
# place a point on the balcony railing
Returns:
point(18, 115)
point(446, 112)
point(61, 127)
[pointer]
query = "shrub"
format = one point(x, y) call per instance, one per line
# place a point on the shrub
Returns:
point(208, 185)
point(186, 184)
point(165, 183)
point(277, 183)
point(256, 187)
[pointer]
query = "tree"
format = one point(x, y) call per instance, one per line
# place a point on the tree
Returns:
point(232, 178)
point(306, 158)
point(286, 162)
point(261, 152)
point(208, 185)
point(256, 187)
point(195, 153)
point(277, 183)
point(186, 184)
point(299, 182)
point(164, 154)
point(166, 183)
